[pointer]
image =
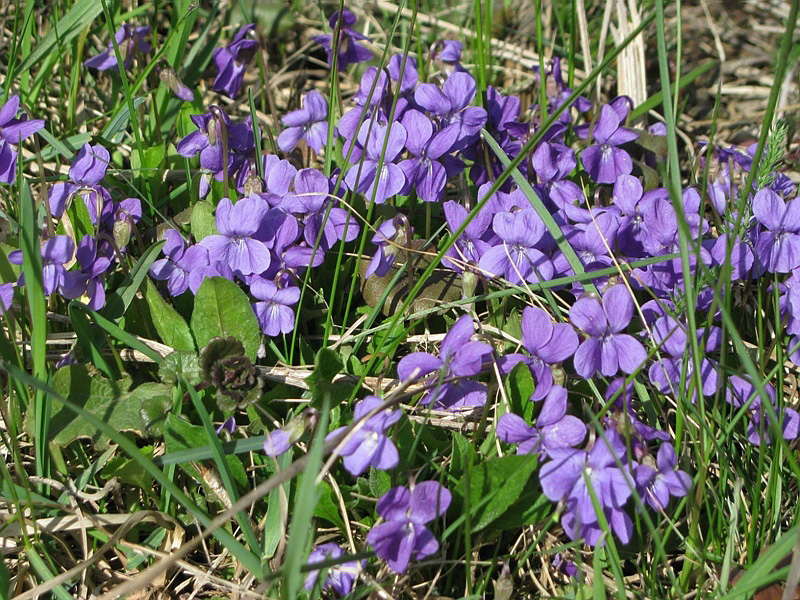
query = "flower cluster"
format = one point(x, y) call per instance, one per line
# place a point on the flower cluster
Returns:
point(76, 264)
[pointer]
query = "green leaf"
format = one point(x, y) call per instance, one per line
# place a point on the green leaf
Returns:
point(531, 508)
point(141, 410)
point(221, 309)
point(495, 484)
point(179, 364)
point(328, 507)
point(128, 471)
point(379, 482)
point(121, 298)
point(169, 324)
point(119, 123)
point(327, 365)
point(462, 451)
point(81, 14)
point(202, 221)
point(519, 387)
point(181, 435)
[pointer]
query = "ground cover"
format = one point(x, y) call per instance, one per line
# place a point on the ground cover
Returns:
point(392, 301)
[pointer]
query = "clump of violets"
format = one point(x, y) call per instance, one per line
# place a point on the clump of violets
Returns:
point(349, 49)
point(13, 130)
point(404, 533)
point(131, 40)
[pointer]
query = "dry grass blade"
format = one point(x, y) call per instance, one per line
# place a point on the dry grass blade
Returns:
point(126, 522)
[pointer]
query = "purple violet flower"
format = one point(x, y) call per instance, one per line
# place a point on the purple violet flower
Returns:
point(228, 425)
point(6, 297)
point(405, 533)
point(547, 343)
point(310, 123)
point(349, 50)
point(207, 141)
point(459, 358)
point(452, 105)
point(657, 483)
point(232, 60)
point(12, 132)
point(56, 252)
point(273, 307)
point(565, 478)
point(88, 279)
point(447, 54)
point(130, 40)
point(471, 245)
point(741, 391)
point(554, 428)
point(364, 178)
point(778, 246)
point(90, 165)
point(339, 577)
point(369, 446)
point(606, 348)
point(665, 372)
point(236, 245)
point(389, 235)
point(179, 262)
point(515, 258)
point(605, 162)
point(423, 171)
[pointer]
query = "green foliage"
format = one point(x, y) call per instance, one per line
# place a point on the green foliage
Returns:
point(182, 435)
point(493, 486)
point(203, 222)
point(180, 364)
point(169, 324)
point(222, 309)
point(118, 301)
point(327, 364)
point(519, 387)
point(141, 410)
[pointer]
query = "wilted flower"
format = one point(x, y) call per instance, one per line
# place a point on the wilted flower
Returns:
point(174, 83)
point(226, 367)
point(280, 440)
